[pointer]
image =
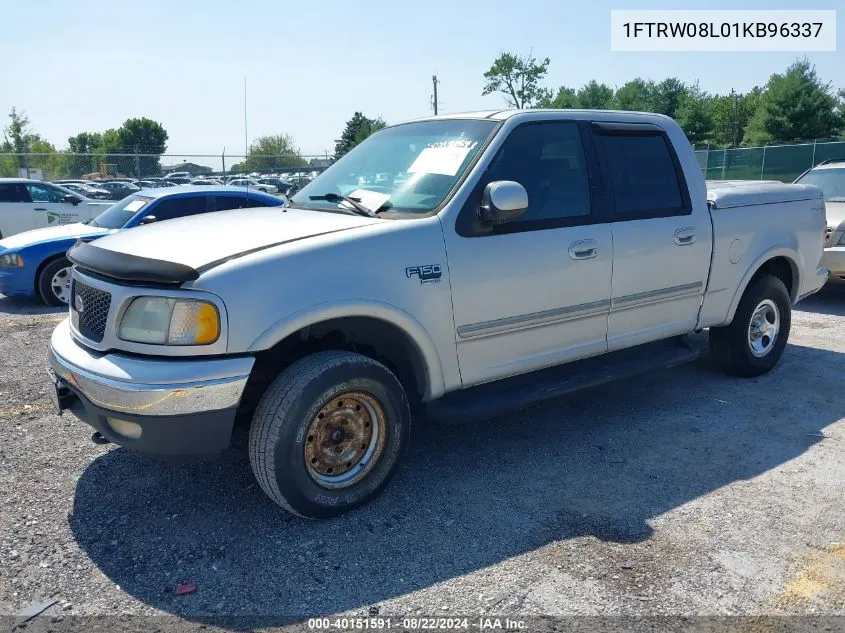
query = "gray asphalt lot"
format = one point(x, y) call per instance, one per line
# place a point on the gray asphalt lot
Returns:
point(680, 493)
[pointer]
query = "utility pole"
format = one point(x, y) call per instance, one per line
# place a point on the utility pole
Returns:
point(246, 142)
point(734, 117)
point(434, 82)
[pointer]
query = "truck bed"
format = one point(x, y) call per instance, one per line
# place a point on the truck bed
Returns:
point(725, 194)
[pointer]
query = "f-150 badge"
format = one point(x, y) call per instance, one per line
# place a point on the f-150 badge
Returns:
point(428, 274)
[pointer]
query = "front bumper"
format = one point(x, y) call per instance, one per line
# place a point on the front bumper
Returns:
point(16, 282)
point(834, 259)
point(183, 406)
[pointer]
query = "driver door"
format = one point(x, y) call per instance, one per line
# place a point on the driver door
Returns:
point(49, 206)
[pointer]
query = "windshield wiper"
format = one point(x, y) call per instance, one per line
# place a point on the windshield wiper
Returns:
point(355, 203)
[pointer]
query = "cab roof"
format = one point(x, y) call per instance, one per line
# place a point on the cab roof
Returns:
point(540, 113)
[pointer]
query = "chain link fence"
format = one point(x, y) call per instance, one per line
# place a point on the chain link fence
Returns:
point(772, 162)
point(69, 166)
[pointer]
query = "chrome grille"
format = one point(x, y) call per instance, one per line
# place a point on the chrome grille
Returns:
point(95, 304)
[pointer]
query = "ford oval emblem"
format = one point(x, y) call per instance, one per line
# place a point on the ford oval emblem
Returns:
point(79, 304)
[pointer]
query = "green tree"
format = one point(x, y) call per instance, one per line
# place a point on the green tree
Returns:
point(108, 153)
point(795, 106)
point(637, 94)
point(148, 136)
point(517, 78)
point(17, 139)
point(81, 147)
point(595, 96)
point(668, 96)
point(563, 98)
point(143, 136)
point(730, 115)
point(271, 152)
point(693, 115)
point(356, 130)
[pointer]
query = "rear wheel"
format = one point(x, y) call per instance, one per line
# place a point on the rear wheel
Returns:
point(54, 282)
point(754, 341)
point(328, 433)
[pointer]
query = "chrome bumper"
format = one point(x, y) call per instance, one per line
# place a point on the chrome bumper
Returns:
point(148, 386)
point(834, 259)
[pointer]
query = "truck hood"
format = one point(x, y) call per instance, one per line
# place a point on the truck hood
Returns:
point(52, 233)
point(835, 212)
point(179, 250)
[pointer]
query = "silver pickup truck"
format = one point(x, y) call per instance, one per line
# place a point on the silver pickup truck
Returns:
point(450, 268)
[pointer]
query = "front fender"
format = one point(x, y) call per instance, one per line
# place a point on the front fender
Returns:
point(413, 329)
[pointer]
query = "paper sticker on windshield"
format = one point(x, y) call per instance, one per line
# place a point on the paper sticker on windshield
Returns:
point(370, 199)
point(440, 160)
point(135, 205)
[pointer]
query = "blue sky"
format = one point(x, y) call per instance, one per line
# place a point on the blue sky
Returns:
point(87, 65)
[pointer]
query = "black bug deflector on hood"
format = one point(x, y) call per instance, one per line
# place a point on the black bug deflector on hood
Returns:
point(129, 267)
point(180, 250)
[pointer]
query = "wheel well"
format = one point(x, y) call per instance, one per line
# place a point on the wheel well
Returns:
point(375, 338)
point(783, 269)
point(42, 266)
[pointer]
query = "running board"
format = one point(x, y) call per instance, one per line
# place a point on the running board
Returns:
point(509, 394)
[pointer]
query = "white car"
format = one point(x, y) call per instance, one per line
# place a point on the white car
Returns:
point(252, 183)
point(33, 204)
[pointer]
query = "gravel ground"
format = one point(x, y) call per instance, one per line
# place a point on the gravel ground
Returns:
point(685, 492)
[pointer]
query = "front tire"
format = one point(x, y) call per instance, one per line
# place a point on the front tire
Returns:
point(54, 283)
point(328, 433)
point(754, 341)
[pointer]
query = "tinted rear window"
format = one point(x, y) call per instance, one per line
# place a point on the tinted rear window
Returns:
point(643, 173)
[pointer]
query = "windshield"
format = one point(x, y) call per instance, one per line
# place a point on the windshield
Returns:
point(116, 216)
point(830, 181)
point(409, 168)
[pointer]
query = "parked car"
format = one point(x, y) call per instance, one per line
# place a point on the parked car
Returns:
point(206, 182)
point(118, 190)
point(282, 186)
point(87, 191)
point(31, 204)
point(36, 262)
point(528, 254)
point(829, 176)
point(252, 183)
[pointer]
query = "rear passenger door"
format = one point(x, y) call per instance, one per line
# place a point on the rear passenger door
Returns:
point(661, 238)
point(16, 214)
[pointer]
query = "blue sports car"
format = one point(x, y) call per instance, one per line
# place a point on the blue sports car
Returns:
point(34, 263)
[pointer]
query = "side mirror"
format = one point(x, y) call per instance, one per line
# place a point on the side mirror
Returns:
point(72, 199)
point(147, 219)
point(503, 201)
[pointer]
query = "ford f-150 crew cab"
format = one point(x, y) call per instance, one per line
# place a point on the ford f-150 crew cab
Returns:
point(449, 268)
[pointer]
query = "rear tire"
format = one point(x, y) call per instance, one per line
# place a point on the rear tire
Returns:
point(328, 433)
point(54, 283)
point(754, 341)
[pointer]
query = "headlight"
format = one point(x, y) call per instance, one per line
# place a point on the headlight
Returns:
point(166, 321)
point(11, 261)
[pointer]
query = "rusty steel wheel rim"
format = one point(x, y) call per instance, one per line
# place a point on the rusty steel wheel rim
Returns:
point(345, 439)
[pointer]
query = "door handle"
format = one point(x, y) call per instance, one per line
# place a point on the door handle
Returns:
point(685, 236)
point(39, 209)
point(583, 249)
